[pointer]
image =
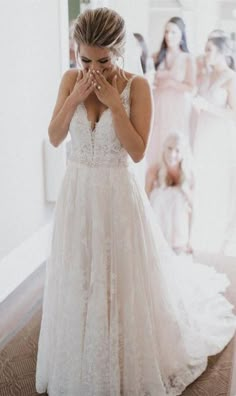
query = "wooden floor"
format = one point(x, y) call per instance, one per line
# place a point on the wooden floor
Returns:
point(17, 309)
point(20, 316)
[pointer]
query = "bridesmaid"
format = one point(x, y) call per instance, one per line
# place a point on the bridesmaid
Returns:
point(174, 82)
point(202, 66)
point(169, 186)
point(214, 150)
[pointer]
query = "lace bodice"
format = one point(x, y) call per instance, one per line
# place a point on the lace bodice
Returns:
point(99, 146)
point(215, 93)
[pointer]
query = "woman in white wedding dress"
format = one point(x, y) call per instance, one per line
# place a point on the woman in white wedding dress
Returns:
point(118, 317)
point(169, 185)
point(214, 149)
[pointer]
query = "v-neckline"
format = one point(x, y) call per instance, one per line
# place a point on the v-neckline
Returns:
point(93, 127)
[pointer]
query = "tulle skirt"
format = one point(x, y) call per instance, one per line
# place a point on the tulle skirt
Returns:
point(122, 315)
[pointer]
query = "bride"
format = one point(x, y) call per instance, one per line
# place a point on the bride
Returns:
point(121, 314)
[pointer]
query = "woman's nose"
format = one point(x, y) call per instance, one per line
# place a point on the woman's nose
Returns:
point(94, 66)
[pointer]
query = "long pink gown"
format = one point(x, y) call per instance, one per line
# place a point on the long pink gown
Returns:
point(172, 107)
point(214, 151)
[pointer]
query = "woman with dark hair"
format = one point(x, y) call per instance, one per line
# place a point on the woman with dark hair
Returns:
point(173, 84)
point(214, 148)
point(166, 40)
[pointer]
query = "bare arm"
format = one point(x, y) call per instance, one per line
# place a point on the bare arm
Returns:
point(132, 132)
point(73, 89)
point(151, 177)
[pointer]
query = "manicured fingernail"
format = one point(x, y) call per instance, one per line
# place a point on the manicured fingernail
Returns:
point(98, 72)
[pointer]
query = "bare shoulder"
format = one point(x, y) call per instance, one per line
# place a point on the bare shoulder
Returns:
point(70, 75)
point(140, 85)
point(69, 78)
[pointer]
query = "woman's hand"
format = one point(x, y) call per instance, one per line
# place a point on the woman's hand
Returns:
point(107, 93)
point(83, 87)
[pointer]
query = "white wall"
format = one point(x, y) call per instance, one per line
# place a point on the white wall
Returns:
point(200, 17)
point(207, 18)
point(135, 13)
point(34, 53)
point(157, 21)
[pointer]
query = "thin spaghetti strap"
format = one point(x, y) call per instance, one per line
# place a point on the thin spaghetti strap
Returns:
point(130, 81)
point(126, 90)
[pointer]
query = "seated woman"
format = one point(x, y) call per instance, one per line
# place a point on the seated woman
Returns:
point(169, 186)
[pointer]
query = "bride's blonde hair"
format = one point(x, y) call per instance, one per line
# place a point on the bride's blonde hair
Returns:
point(186, 161)
point(100, 27)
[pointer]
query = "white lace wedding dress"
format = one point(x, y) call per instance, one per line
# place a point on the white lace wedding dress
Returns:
point(121, 314)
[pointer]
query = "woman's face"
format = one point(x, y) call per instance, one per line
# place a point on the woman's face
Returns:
point(172, 154)
point(96, 58)
point(212, 53)
point(173, 35)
